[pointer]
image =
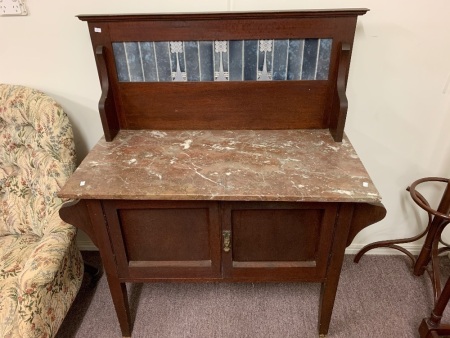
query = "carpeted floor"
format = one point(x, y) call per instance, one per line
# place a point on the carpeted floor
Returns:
point(379, 297)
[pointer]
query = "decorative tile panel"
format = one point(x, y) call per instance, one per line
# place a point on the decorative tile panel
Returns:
point(235, 60)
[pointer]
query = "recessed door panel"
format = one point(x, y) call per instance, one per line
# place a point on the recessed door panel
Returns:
point(156, 239)
point(165, 234)
point(278, 241)
point(275, 235)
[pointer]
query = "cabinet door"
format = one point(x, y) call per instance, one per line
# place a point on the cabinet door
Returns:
point(277, 241)
point(164, 240)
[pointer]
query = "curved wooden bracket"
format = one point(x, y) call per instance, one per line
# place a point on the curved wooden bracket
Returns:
point(106, 105)
point(339, 112)
point(364, 215)
point(75, 212)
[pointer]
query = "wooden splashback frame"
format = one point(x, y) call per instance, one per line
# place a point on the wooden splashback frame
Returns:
point(311, 104)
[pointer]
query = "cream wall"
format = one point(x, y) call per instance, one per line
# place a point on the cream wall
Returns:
point(399, 91)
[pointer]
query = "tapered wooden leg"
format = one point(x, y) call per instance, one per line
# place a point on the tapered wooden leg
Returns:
point(327, 296)
point(329, 287)
point(120, 299)
point(118, 290)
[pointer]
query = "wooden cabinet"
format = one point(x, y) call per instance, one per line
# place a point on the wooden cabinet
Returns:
point(220, 240)
point(240, 241)
point(224, 156)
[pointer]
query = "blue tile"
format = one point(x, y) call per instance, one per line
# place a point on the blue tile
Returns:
point(121, 61)
point(310, 59)
point(242, 60)
point(163, 61)
point(206, 61)
point(280, 57)
point(149, 61)
point(323, 65)
point(236, 64)
point(134, 61)
point(295, 59)
point(250, 59)
point(191, 50)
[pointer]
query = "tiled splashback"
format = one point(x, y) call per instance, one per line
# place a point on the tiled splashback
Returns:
point(234, 60)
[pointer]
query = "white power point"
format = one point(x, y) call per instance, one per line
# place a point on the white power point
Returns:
point(12, 7)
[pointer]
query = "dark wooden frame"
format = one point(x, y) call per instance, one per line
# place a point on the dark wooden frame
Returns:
point(301, 104)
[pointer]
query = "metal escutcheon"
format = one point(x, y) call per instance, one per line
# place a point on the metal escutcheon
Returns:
point(226, 240)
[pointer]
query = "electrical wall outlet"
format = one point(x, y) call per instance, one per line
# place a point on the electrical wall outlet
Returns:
point(12, 7)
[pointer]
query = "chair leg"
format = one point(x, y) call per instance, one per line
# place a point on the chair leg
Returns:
point(426, 330)
point(431, 326)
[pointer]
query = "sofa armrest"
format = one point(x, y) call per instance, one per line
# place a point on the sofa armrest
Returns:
point(49, 281)
point(47, 259)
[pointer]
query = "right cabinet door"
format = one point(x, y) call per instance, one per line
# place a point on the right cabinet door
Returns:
point(277, 241)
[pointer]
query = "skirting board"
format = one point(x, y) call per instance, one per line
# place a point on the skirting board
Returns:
point(353, 249)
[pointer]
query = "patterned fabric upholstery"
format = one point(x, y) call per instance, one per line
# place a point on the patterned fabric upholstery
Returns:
point(40, 267)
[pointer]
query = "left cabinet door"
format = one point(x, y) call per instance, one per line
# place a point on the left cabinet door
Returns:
point(164, 239)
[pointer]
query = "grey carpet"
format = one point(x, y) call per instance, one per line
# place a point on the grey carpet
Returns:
point(379, 297)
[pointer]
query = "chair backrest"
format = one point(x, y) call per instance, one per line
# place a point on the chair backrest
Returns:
point(37, 155)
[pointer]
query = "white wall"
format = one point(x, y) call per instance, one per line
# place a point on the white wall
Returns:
point(399, 91)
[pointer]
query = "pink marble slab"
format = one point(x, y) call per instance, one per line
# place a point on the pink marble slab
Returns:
point(243, 165)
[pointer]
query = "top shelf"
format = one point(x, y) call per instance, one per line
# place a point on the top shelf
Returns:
point(312, 13)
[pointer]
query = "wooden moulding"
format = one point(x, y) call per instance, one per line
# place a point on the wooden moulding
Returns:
point(106, 105)
point(76, 212)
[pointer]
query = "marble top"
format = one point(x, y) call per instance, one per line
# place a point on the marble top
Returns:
point(239, 165)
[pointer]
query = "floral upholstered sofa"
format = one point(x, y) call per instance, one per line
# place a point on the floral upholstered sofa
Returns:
point(40, 267)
